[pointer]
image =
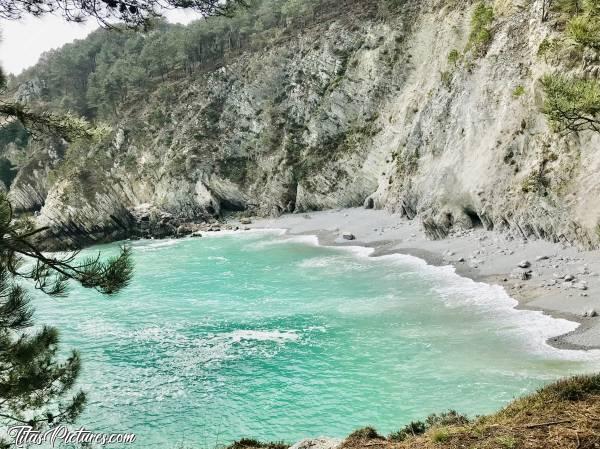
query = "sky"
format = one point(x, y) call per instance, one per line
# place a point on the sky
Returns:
point(25, 40)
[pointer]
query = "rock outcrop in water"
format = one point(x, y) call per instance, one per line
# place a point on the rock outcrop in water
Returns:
point(353, 110)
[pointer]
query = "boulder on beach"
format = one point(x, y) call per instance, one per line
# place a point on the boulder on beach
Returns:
point(524, 264)
point(245, 221)
point(348, 236)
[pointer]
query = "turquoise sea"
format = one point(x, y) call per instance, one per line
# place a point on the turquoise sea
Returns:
point(273, 337)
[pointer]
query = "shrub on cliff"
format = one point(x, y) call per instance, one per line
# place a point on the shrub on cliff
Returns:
point(249, 443)
point(412, 429)
point(449, 418)
point(364, 434)
point(481, 28)
point(572, 104)
point(585, 30)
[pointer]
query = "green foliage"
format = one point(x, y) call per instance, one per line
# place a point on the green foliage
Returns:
point(535, 182)
point(575, 388)
point(7, 172)
point(549, 47)
point(407, 161)
point(93, 77)
point(299, 10)
point(440, 435)
point(544, 47)
point(446, 78)
point(248, 443)
point(449, 418)
point(447, 75)
point(572, 104)
point(414, 428)
point(366, 433)
point(67, 126)
point(566, 8)
point(52, 273)
point(34, 385)
point(135, 14)
point(13, 132)
point(433, 421)
point(519, 91)
point(481, 28)
point(585, 30)
point(582, 21)
point(592, 7)
point(453, 57)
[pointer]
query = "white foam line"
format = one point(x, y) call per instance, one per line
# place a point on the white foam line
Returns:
point(531, 323)
point(544, 326)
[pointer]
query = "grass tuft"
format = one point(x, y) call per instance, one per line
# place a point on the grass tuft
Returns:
point(575, 388)
point(249, 443)
point(507, 441)
point(365, 434)
point(440, 435)
point(519, 91)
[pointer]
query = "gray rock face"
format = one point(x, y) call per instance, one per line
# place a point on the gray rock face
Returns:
point(351, 113)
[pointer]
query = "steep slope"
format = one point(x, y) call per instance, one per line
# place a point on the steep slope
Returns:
point(354, 108)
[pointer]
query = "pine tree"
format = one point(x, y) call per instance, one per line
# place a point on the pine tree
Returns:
point(35, 386)
point(133, 13)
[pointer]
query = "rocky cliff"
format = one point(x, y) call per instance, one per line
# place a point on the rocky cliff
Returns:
point(354, 110)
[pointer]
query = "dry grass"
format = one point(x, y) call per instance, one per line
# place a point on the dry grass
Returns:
point(561, 416)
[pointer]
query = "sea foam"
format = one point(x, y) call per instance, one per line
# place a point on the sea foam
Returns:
point(533, 328)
